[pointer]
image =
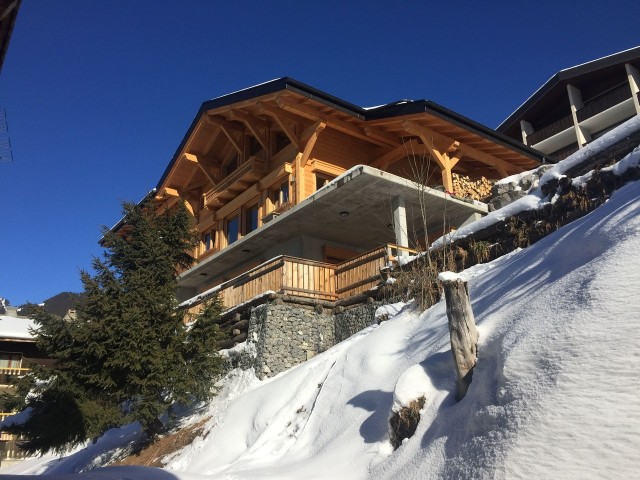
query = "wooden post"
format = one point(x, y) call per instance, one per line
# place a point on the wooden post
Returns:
point(462, 328)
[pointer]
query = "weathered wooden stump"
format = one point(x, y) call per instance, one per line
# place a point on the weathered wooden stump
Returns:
point(462, 329)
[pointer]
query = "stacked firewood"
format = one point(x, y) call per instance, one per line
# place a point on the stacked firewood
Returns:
point(464, 187)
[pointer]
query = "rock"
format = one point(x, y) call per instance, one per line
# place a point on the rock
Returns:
point(403, 424)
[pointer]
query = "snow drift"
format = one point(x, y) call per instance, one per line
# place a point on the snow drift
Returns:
point(553, 393)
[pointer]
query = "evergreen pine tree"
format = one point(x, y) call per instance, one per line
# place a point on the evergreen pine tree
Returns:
point(129, 355)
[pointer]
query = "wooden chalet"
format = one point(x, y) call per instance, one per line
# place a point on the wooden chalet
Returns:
point(293, 190)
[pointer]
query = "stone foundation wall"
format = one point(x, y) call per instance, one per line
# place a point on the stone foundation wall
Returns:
point(287, 334)
point(354, 319)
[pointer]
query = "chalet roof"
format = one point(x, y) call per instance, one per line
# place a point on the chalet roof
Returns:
point(374, 115)
point(592, 76)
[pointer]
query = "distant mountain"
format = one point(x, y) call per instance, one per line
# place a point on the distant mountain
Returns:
point(59, 304)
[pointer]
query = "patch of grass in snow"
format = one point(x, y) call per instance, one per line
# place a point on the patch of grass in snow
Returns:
point(151, 455)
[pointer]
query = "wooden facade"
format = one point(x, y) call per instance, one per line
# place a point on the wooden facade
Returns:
point(252, 155)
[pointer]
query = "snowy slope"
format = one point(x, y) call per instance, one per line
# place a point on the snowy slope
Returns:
point(553, 394)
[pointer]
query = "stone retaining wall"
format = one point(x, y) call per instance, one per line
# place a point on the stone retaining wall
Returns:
point(352, 320)
point(287, 334)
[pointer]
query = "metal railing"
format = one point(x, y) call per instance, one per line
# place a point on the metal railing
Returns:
point(550, 130)
point(605, 101)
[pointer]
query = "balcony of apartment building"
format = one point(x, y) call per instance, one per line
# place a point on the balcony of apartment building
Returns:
point(591, 118)
point(12, 366)
point(578, 105)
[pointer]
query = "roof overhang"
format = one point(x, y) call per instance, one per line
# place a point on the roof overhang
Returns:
point(365, 194)
point(588, 72)
point(358, 116)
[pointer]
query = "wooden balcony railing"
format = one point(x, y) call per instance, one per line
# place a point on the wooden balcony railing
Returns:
point(9, 450)
point(308, 278)
point(249, 172)
point(6, 374)
point(14, 371)
point(361, 273)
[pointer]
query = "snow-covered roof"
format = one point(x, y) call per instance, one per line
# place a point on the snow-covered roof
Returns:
point(16, 328)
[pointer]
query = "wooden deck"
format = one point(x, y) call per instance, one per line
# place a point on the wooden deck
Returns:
point(309, 279)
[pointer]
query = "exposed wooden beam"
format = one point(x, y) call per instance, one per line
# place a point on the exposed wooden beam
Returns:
point(315, 115)
point(246, 119)
point(319, 128)
point(170, 202)
point(214, 136)
point(383, 137)
point(465, 149)
point(427, 140)
point(395, 154)
point(189, 157)
point(500, 165)
point(228, 129)
point(169, 192)
point(281, 118)
point(441, 158)
point(254, 125)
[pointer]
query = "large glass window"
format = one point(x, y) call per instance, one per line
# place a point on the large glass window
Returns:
point(208, 239)
point(280, 194)
point(281, 141)
point(251, 219)
point(232, 227)
point(229, 167)
point(322, 179)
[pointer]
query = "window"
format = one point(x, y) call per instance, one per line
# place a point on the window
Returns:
point(280, 194)
point(322, 180)
point(232, 228)
point(281, 141)
point(254, 146)
point(229, 167)
point(284, 193)
point(251, 218)
point(208, 240)
point(10, 360)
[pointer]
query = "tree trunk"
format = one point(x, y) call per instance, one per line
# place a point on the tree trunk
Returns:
point(462, 328)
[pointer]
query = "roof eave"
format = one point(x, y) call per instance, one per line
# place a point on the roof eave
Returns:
point(564, 76)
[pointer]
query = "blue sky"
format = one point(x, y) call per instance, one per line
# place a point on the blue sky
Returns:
point(99, 94)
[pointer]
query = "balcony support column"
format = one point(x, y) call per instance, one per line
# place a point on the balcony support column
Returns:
point(527, 129)
point(400, 223)
point(575, 99)
point(634, 82)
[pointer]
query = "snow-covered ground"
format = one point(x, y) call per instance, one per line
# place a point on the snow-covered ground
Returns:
point(553, 393)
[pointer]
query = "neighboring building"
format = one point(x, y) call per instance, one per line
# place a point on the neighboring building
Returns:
point(18, 350)
point(578, 104)
point(296, 191)
point(18, 354)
